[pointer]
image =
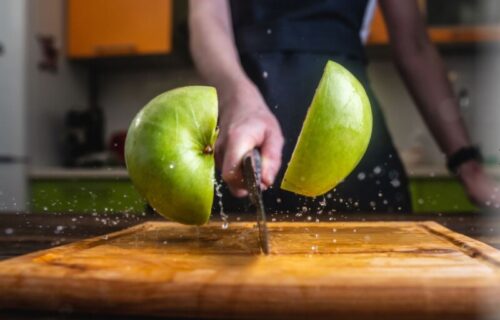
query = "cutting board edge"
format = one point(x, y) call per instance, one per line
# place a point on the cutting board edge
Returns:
point(469, 246)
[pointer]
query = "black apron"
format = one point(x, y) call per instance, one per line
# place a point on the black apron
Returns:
point(284, 46)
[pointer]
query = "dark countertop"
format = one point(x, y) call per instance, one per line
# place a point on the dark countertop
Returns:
point(22, 233)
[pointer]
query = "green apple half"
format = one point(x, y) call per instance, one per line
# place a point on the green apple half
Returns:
point(334, 136)
point(169, 153)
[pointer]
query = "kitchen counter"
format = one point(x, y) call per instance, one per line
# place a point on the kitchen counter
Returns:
point(22, 233)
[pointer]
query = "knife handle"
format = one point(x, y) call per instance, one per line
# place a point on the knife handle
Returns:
point(253, 158)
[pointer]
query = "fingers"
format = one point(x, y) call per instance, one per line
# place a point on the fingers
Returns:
point(244, 132)
point(271, 149)
point(238, 142)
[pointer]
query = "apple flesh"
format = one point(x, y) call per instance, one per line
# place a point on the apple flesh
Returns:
point(169, 153)
point(334, 136)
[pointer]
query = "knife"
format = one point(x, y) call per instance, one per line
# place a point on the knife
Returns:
point(252, 177)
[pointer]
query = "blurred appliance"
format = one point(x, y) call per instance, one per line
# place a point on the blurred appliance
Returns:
point(84, 142)
point(13, 102)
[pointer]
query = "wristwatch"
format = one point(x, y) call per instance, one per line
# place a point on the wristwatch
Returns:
point(461, 156)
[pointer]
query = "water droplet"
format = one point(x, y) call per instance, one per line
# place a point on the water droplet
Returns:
point(361, 176)
point(59, 229)
point(323, 202)
point(223, 216)
point(9, 231)
point(269, 31)
point(420, 201)
point(171, 166)
point(334, 230)
point(377, 170)
point(278, 200)
point(395, 183)
point(265, 74)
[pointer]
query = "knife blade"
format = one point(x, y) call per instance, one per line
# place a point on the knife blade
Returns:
point(252, 177)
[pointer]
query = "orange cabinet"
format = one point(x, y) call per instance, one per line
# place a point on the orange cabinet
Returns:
point(99, 28)
point(441, 34)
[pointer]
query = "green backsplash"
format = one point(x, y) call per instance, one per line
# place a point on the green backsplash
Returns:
point(118, 195)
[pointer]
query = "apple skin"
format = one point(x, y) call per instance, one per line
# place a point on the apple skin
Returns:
point(334, 136)
point(169, 153)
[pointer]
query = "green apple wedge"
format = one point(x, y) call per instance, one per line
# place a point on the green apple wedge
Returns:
point(169, 153)
point(334, 136)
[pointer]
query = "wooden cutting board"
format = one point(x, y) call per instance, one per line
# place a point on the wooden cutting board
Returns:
point(330, 270)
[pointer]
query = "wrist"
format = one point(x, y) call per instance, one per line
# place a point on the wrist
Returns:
point(469, 168)
point(239, 96)
point(463, 157)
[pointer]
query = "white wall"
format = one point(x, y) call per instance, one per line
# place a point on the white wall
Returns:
point(409, 132)
point(51, 94)
point(486, 121)
point(13, 76)
point(124, 92)
point(13, 93)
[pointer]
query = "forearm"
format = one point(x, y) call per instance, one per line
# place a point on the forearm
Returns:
point(425, 76)
point(213, 49)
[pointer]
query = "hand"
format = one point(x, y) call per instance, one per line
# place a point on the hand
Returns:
point(246, 123)
point(479, 187)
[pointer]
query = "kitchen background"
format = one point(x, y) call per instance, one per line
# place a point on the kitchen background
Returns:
point(64, 70)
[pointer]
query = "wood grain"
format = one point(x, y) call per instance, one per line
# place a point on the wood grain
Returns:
point(322, 270)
